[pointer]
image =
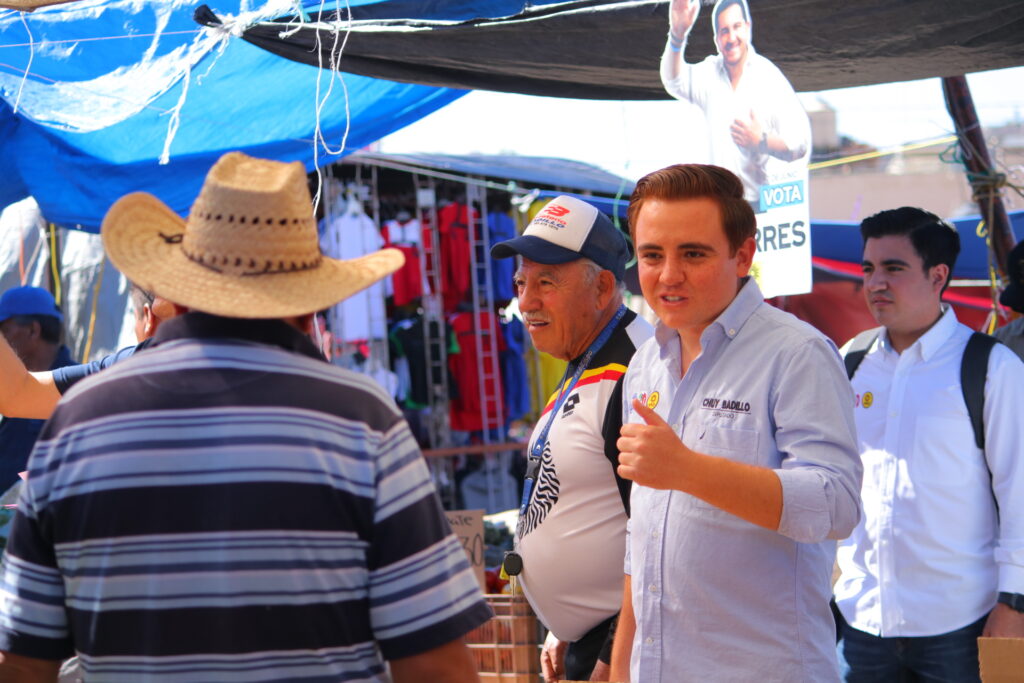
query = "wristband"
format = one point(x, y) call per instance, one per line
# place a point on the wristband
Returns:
point(1014, 601)
point(675, 44)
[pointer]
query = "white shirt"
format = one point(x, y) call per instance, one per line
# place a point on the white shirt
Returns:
point(762, 89)
point(929, 554)
point(408, 233)
point(573, 535)
point(361, 315)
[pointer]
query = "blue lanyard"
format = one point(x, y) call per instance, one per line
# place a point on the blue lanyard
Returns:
point(537, 452)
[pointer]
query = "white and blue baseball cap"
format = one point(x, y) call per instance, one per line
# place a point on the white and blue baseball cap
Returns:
point(565, 230)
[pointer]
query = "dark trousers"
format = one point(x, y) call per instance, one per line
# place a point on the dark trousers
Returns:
point(581, 656)
point(946, 658)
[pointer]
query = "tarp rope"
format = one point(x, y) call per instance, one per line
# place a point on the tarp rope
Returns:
point(175, 120)
point(92, 314)
point(31, 55)
point(22, 270)
point(875, 154)
point(318, 136)
point(985, 188)
point(75, 41)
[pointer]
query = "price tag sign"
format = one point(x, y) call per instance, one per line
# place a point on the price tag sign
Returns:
point(468, 527)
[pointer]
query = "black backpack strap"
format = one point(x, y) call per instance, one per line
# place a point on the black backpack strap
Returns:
point(973, 369)
point(858, 349)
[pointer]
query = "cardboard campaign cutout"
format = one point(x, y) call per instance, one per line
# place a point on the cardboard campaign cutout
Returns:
point(756, 128)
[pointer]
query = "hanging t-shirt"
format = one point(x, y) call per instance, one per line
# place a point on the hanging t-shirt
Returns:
point(467, 411)
point(361, 316)
point(453, 227)
point(513, 370)
point(501, 227)
point(408, 282)
point(408, 342)
point(396, 232)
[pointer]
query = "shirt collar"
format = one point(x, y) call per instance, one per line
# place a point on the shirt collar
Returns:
point(196, 325)
point(743, 305)
point(930, 342)
point(730, 321)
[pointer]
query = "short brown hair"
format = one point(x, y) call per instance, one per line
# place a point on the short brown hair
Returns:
point(690, 181)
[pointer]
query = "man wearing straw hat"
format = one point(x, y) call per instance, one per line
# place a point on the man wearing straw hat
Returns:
point(227, 506)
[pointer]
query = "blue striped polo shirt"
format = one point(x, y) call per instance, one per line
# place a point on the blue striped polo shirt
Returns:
point(228, 507)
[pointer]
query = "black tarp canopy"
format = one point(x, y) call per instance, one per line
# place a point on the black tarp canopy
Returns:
point(607, 49)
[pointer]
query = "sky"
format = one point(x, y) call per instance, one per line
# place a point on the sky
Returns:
point(634, 138)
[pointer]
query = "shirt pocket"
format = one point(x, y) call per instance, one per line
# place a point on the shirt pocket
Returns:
point(733, 443)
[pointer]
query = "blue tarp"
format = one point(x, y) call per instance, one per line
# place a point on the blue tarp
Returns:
point(104, 79)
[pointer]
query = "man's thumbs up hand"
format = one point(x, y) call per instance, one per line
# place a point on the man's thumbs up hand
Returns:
point(652, 454)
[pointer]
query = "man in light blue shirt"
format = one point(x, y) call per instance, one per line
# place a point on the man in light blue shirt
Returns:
point(738, 435)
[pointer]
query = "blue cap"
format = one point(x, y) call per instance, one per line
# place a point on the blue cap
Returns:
point(28, 301)
point(565, 230)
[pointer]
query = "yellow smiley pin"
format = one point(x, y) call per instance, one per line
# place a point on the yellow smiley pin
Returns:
point(868, 399)
point(652, 400)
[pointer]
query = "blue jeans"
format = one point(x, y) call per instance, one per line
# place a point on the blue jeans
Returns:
point(947, 658)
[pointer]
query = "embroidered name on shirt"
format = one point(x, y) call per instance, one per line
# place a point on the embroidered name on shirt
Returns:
point(725, 404)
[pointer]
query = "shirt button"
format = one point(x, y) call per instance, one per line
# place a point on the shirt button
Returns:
point(654, 534)
point(732, 332)
point(649, 640)
point(893, 414)
point(653, 588)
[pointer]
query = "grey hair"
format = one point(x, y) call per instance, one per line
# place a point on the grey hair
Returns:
point(140, 297)
point(592, 271)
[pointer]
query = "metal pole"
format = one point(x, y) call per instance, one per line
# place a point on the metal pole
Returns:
point(985, 182)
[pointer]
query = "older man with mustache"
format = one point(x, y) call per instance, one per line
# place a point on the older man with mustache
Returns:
point(570, 539)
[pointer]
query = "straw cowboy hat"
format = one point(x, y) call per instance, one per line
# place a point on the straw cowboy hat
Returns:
point(249, 248)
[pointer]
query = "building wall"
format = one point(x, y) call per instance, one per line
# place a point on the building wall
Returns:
point(932, 178)
point(854, 196)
